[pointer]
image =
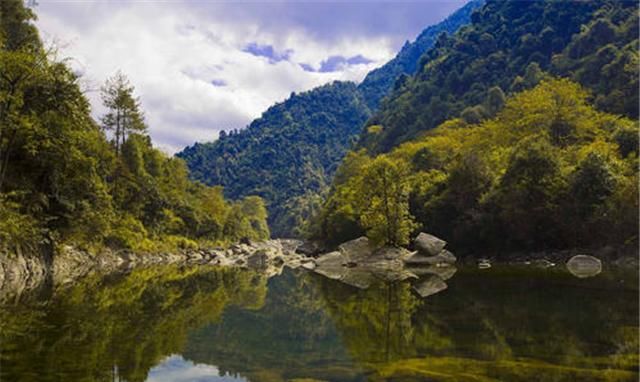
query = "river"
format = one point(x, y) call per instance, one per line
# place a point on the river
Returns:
point(179, 324)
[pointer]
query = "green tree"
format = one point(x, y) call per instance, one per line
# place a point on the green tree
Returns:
point(124, 115)
point(495, 100)
point(385, 202)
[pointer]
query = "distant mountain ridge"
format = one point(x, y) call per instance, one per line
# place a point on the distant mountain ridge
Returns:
point(379, 82)
point(288, 156)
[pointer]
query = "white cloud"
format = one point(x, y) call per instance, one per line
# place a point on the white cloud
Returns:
point(174, 52)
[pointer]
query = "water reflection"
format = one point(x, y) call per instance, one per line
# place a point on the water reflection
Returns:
point(177, 369)
point(207, 324)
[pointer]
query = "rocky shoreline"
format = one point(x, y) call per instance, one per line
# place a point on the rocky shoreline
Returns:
point(356, 262)
point(23, 272)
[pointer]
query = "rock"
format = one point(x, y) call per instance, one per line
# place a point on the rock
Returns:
point(542, 263)
point(430, 286)
point(445, 271)
point(357, 248)
point(583, 266)
point(309, 248)
point(258, 259)
point(484, 264)
point(446, 257)
point(308, 265)
point(278, 261)
point(428, 245)
point(393, 253)
point(330, 265)
point(443, 257)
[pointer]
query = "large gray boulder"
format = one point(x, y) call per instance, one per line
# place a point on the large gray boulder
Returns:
point(583, 266)
point(428, 245)
point(357, 248)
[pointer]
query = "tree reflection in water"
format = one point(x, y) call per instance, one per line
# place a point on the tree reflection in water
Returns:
point(502, 324)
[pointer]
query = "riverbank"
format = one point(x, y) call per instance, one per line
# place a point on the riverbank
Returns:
point(23, 272)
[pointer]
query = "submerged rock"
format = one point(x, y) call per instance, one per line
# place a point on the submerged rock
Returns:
point(583, 266)
point(429, 245)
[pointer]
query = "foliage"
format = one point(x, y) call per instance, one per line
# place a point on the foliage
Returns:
point(381, 81)
point(61, 178)
point(384, 202)
point(124, 115)
point(508, 46)
point(547, 171)
point(291, 151)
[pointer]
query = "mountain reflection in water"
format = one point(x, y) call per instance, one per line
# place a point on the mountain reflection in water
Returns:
point(207, 324)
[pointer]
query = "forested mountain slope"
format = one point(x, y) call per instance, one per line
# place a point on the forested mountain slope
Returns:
point(508, 45)
point(288, 156)
point(554, 168)
point(379, 82)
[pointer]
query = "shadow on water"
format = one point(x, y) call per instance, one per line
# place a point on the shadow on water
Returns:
point(208, 324)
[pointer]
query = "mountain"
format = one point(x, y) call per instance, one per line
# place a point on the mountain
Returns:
point(288, 156)
point(518, 133)
point(508, 45)
point(379, 82)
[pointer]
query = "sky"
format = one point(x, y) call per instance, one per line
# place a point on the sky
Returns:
point(201, 66)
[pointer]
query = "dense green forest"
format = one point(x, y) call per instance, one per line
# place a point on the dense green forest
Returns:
point(380, 82)
point(548, 171)
point(508, 45)
point(65, 177)
point(289, 155)
point(286, 156)
point(554, 168)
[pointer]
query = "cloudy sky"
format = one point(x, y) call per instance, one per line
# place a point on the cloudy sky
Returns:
point(203, 66)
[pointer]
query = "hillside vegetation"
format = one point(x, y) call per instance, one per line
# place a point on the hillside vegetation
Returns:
point(548, 171)
point(508, 45)
point(67, 178)
point(554, 168)
point(286, 156)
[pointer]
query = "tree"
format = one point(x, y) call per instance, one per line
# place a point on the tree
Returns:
point(124, 115)
point(495, 100)
point(592, 182)
point(385, 202)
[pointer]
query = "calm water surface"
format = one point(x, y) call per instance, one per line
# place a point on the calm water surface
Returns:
point(205, 324)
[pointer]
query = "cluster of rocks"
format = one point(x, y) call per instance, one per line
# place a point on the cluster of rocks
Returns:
point(358, 263)
point(20, 273)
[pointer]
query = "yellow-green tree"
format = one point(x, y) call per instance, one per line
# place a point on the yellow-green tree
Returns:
point(384, 211)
